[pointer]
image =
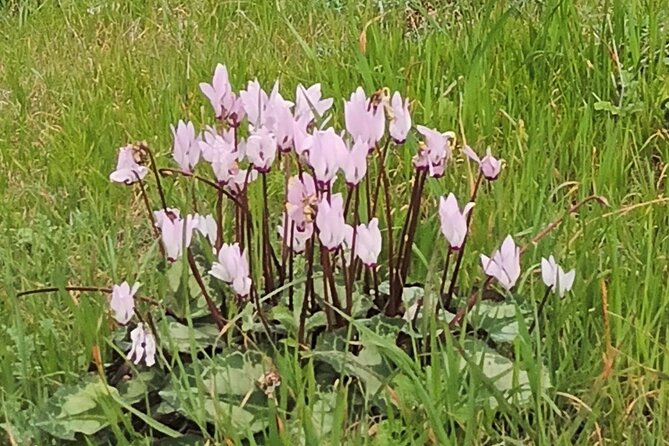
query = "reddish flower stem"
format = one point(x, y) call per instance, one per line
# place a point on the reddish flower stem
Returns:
point(461, 251)
point(213, 309)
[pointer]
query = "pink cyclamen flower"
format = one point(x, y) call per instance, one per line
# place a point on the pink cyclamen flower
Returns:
point(176, 235)
point(254, 99)
point(454, 222)
point(261, 149)
point(299, 237)
point(143, 346)
point(219, 93)
point(400, 122)
point(301, 199)
point(555, 278)
point(435, 152)
point(368, 242)
point(186, 148)
point(327, 152)
point(213, 143)
point(363, 118)
point(330, 221)
point(354, 162)
point(490, 166)
point(207, 226)
point(302, 140)
point(122, 302)
point(283, 125)
point(165, 214)
point(504, 264)
point(127, 170)
point(233, 268)
point(308, 101)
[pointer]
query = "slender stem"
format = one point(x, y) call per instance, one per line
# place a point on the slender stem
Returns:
point(383, 178)
point(540, 309)
point(267, 255)
point(95, 289)
point(352, 268)
point(461, 251)
point(155, 170)
point(329, 313)
point(414, 212)
point(379, 178)
point(261, 314)
point(328, 269)
point(152, 219)
point(219, 221)
point(349, 195)
point(440, 300)
point(213, 309)
point(405, 228)
point(291, 254)
point(307, 292)
point(473, 298)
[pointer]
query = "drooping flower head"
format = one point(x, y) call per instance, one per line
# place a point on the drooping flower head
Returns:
point(214, 143)
point(186, 148)
point(330, 221)
point(400, 121)
point(326, 154)
point(223, 100)
point(122, 302)
point(302, 199)
point(354, 162)
point(207, 226)
point(504, 264)
point(490, 166)
point(143, 346)
point(127, 170)
point(261, 149)
point(364, 117)
point(555, 278)
point(368, 242)
point(233, 268)
point(176, 235)
point(453, 221)
point(254, 99)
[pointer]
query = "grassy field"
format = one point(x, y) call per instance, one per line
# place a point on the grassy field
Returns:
point(572, 94)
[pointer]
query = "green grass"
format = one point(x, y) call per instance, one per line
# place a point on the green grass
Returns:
point(536, 81)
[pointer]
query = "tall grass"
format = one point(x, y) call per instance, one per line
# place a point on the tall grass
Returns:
point(568, 93)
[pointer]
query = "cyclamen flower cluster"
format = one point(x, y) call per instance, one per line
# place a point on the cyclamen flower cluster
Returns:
point(313, 211)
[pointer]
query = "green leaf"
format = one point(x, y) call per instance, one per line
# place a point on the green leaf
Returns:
point(203, 335)
point(76, 409)
point(217, 389)
point(498, 319)
point(367, 366)
point(507, 377)
point(135, 389)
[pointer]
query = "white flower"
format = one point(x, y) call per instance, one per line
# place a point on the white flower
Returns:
point(122, 302)
point(143, 346)
point(555, 278)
